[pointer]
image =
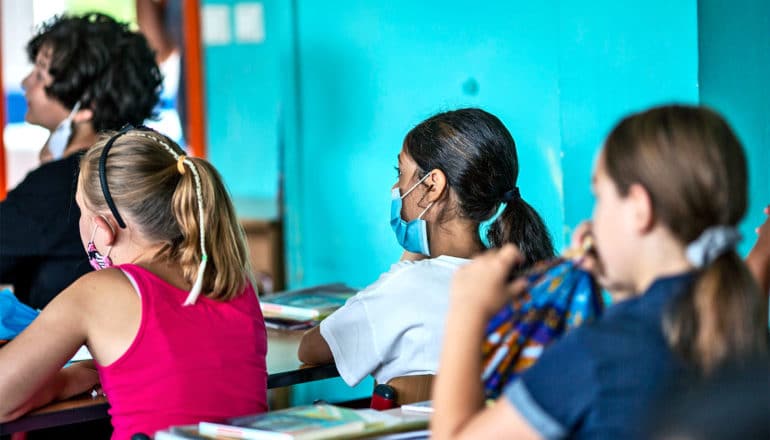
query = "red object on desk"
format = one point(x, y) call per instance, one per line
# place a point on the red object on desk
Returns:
point(383, 397)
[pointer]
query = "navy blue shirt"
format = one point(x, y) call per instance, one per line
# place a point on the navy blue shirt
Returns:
point(40, 248)
point(597, 382)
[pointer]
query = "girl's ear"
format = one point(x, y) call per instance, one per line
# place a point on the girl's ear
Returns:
point(641, 204)
point(436, 185)
point(105, 223)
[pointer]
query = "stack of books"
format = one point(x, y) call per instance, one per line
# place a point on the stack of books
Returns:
point(314, 422)
point(300, 309)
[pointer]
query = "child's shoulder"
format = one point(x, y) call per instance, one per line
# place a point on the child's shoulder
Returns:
point(441, 263)
point(406, 276)
point(101, 284)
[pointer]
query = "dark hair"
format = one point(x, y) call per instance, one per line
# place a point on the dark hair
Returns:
point(693, 166)
point(101, 63)
point(478, 156)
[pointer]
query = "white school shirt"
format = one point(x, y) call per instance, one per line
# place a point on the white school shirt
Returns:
point(394, 327)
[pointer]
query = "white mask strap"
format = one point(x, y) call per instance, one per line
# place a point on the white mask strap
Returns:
point(415, 185)
point(93, 235)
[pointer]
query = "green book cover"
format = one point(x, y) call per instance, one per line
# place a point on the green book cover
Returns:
point(308, 304)
point(313, 422)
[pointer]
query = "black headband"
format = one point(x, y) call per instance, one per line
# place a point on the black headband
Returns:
point(103, 175)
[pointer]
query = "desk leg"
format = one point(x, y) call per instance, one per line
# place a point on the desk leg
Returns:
point(277, 398)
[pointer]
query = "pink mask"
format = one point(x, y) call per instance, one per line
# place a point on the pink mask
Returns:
point(97, 260)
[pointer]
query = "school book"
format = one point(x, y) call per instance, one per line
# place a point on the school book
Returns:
point(288, 324)
point(316, 422)
point(182, 432)
point(312, 422)
point(424, 407)
point(311, 304)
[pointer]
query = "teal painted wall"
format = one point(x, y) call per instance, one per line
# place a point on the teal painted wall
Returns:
point(616, 58)
point(329, 95)
point(368, 72)
point(734, 75)
point(243, 98)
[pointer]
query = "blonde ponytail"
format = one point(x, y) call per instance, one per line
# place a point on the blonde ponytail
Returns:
point(190, 213)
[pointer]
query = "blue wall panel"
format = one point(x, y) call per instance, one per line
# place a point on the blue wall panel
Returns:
point(243, 97)
point(734, 74)
point(616, 58)
point(369, 71)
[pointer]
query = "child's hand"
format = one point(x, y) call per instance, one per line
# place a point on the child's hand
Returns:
point(592, 263)
point(483, 286)
point(79, 377)
point(758, 259)
point(761, 249)
point(590, 260)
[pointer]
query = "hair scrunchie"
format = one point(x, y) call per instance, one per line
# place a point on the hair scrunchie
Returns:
point(712, 243)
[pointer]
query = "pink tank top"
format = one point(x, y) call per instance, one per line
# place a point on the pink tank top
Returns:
point(187, 364)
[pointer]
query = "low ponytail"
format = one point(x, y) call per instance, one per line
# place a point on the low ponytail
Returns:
point(723, 317)
point(524, 227)
point(521, 225)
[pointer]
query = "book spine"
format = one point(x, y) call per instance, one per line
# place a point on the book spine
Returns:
point(215, 430)
point(289, 312)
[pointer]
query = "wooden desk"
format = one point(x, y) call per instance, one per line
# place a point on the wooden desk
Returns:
point(283, 369)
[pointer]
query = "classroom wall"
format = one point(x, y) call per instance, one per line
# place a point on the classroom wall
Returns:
point(558, 74)
point(734, 46)
point(243, 77)
point(326, 99)
point(616, 58)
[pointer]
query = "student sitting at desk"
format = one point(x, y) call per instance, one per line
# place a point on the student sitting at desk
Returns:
point(90, 74)
point(456, 195)
point(172, 319)
point(670, 186)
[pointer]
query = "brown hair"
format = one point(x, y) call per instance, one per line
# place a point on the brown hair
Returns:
point(694, 169)
point(149, 191)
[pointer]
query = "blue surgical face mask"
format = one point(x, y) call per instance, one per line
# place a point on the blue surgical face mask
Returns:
point(413, 235)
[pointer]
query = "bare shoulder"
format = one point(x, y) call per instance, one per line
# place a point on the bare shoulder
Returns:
point(110, 309)
point(100, 295)
point(99, 287)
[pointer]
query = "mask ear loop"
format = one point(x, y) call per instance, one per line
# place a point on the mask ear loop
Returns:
point(412, 189)
point(415, 186)
point(182, 160)
point(93, 235)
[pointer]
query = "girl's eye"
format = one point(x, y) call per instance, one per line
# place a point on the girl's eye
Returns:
point(398, 172)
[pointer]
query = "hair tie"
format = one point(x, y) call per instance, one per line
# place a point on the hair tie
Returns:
point(712, 243)
point(512, 195)
point(487, 224)
point(180, 164)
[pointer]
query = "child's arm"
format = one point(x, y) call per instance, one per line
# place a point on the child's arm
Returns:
point(478, 291)
point(758, 259)
point(313, 348)
point(30, 365)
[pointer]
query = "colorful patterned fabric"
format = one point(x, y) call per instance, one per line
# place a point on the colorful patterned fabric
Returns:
point(560, 296)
